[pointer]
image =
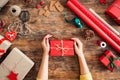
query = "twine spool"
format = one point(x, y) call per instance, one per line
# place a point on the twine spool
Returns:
point(15, 10)
point(102, 44)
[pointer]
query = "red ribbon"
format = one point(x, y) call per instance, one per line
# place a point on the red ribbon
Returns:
point(103, 1)
point(1, 40)
point(1, 50)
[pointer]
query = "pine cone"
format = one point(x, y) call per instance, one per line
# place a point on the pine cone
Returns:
point(88, 34)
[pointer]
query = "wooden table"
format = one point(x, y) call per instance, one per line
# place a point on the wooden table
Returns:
point(61, 68)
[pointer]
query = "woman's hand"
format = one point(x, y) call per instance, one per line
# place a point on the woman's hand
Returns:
point(78, 47)
point(45, 44)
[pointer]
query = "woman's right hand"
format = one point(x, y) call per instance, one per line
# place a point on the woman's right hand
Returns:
point(78, 47)
point(45, 43)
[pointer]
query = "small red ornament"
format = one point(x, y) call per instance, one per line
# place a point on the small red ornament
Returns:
point(12, 76)
point(42, 3)
point(11, 35)
point(103, 1)
point(37, 6)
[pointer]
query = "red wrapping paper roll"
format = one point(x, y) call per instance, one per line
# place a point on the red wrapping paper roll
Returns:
point(93, 25)
point(96, 21)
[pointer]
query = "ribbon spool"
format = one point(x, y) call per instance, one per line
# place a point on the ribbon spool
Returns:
point(15, 10)
point(76, 21)
point(102, 44)
point(24, 16)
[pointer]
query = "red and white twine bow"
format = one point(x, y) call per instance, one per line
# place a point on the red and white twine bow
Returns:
point(61, 48)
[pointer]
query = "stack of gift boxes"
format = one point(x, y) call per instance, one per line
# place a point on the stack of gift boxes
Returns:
point(16, 65)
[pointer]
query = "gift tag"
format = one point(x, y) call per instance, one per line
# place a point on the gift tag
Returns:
point(11, 35)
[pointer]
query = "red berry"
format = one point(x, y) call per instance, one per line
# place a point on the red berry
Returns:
point(42, 3)
point(37, 6)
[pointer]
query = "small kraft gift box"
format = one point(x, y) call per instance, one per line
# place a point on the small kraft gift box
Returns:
point(61, 48)
point(114, 11)
point(110, 60)
point(15, 66)
point(4, 45)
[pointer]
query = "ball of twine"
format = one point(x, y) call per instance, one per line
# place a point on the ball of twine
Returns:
point(15, 10)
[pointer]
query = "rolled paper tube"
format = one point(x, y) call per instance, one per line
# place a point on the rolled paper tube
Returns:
point(102, 44)
point(96, 21)
point(93, 26)
point(108, 25)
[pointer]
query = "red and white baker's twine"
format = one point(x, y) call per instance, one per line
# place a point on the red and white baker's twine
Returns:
point(1, 50)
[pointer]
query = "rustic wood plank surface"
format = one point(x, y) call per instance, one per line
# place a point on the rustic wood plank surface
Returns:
point(61, 68)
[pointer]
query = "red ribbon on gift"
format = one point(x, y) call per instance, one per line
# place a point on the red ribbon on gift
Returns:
point(61, 48)
point(112, 64)
point(1, 50)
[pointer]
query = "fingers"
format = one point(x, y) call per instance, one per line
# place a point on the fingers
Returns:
point(75, 45)
point(46, 39)
point(48, 36)
point(79, 43)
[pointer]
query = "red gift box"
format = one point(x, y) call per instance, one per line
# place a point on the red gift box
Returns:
point(114, 11)
point(61, 48)
point(110, 60)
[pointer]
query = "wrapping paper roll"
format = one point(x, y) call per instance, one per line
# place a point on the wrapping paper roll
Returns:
point(108, 25)
point(93, 26)
point(96, 21)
